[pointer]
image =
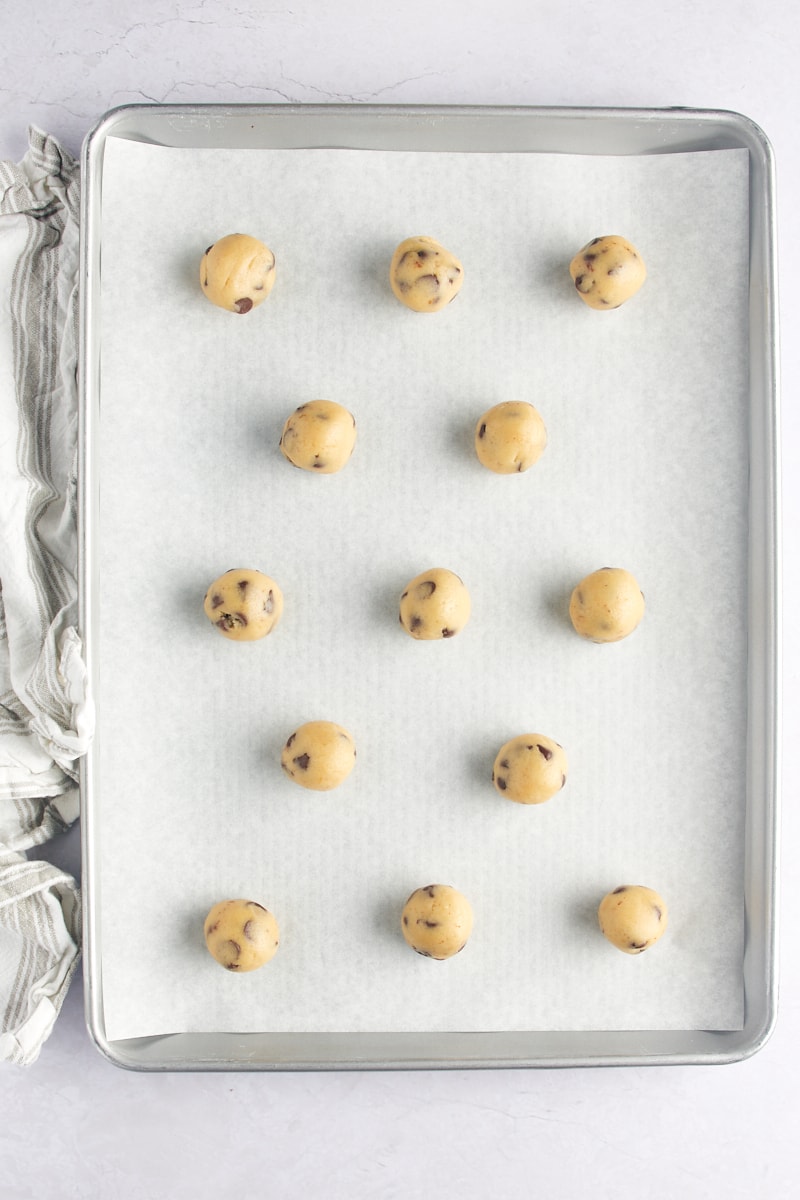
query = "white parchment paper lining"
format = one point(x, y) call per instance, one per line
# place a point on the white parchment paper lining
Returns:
point(646, 467)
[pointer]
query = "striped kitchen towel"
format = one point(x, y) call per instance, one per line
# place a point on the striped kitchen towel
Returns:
point(46, 717)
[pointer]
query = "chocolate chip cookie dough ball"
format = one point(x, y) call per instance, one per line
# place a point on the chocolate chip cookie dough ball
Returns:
point(437, 921)
point(244, 605)
point(435, 604)
point(425, 276)
point(607, 605)
point(510, 437)
point(319, 436)
point(319, 755)
point(607, 272)
point(530, 769)
point(241, 935)
point(632, 917)
point(237, 272)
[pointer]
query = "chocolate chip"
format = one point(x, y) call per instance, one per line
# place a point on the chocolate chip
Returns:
point(291, 739)
point(501, 783)
point(448, 633)
point(243, 585)
point(426, 589)
point(404, 595)
point(318, 466)
point(243, 305)
point(212, 928)
point(505, 764)
point(247, 930)
point(302, 761)
point(216, 600)
point(587, 258)
point(579, 597)
point(415, 622)
point(482, 430)
point(638, 945)
point(614, 271)
point(594, 241)
point(545, 752)
point(429, 924)
point(563, 780)
point(422, 254)
point(232, 966)
point(211, 247)
point(430, 890)
point(322, 416)
point(269, 603)
point(232, 621)
point(657, 911)
point(255, 904)
point(424, 953)
point(405, 920)
point(616, 891)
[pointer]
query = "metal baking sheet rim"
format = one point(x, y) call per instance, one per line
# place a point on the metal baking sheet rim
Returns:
point(524, 129)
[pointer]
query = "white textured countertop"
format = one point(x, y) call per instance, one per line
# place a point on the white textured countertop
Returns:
point(75, 1126)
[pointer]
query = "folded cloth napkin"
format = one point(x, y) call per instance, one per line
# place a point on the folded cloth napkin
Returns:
point(46, 717)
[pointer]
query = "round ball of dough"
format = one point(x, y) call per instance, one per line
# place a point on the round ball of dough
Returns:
point(425, 276)
point(607, 272)
point(437, 921)
point(241, 935)
point(434, 605)
point(632, 917)
point(244, 604)
point(319, 755)
point(607, 605)
point(319, 436)
point(510, 437)
point(237, 272)
point(530, 769)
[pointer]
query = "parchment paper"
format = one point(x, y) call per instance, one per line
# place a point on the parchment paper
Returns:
point(646, 467)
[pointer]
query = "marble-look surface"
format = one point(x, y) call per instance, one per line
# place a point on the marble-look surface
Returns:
point(76, 1127)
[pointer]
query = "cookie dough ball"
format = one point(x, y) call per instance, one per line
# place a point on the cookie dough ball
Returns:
point(435, 605)
point(607, 605)
point(424, 275)
point(244, 605)
point(632, 917)
point(241, 935)
point(319, 755)
point(607, 272)
point(530, 769)
point(319, 436)
point(437, 921)
point(237, 272)
point(510, 437)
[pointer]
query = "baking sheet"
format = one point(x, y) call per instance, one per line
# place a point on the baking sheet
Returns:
point(646, 410)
